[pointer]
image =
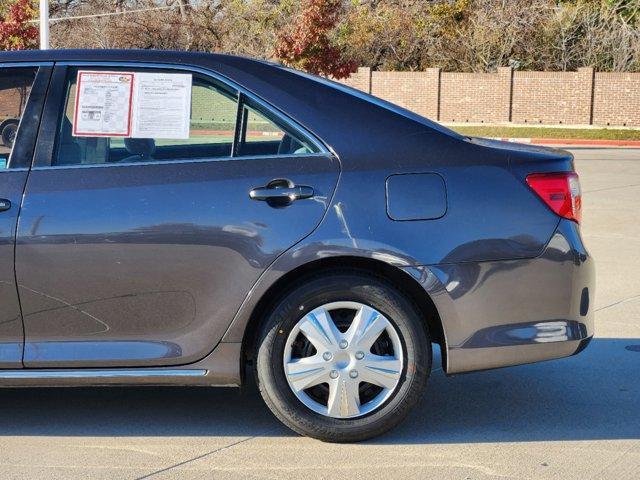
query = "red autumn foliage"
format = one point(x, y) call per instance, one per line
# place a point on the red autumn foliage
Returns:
point(15, 31)
point(307, 46)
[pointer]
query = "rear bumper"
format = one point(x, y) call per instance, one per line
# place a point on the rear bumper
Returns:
point(503, 313)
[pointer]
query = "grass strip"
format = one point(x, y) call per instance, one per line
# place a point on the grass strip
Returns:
point(543, 132)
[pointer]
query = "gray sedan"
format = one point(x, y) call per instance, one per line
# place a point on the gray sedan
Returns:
point(171, 218)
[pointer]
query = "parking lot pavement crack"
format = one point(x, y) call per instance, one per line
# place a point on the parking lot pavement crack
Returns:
point(619, 302)
point(199, 457)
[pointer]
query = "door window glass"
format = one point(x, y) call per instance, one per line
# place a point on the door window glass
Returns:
point(211, 130)
point(265, 134)
point(15, 86)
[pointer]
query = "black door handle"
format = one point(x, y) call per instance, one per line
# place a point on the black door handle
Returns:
point(281, 190)
point(4, 205)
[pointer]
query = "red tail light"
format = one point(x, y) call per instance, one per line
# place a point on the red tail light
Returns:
point(560, 191)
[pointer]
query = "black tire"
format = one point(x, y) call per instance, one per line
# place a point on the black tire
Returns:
point(342, 286)
point(9, 133)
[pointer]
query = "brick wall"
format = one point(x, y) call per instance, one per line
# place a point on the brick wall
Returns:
point(571, 98)
point(416, 91)
point(9, 103)
point(475, 97)
point(553, 97)
point(616, 99)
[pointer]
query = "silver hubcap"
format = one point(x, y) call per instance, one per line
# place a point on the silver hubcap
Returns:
point(343, 359)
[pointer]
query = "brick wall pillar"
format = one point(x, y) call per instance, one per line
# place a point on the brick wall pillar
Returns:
point(365, 72)
point(587, 84)
point(505, 75)
point(361, 79)
point(434, 77)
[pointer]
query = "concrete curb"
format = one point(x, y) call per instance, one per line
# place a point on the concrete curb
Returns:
point(575, 142)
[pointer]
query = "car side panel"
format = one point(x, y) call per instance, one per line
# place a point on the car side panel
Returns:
point(145, 265)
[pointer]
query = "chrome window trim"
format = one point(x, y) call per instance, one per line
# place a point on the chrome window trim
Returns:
point(173, 162)
point(286, 120)
point(112, 373)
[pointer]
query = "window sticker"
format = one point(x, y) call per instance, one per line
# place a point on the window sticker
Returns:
point(135, 105)
point(103, 104)
point(162, 105)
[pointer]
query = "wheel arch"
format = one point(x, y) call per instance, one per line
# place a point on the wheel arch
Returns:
point(395, 276)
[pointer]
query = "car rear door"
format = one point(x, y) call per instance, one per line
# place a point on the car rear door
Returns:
point(22, 92)
point(139, 251)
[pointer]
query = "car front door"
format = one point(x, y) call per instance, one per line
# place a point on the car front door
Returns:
point(139, 251)
point(22, 90)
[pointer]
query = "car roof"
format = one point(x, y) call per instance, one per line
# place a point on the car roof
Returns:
point(327, 109)
point(130, 55)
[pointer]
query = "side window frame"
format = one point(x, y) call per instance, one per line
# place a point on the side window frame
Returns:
point(56, 97)
point(53, 107)
point(23, 148)
point(272, 116)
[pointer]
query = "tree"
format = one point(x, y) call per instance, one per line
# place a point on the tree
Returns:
point(628, 9)
point(16, 33)
point(307, 44)
point(331, 37)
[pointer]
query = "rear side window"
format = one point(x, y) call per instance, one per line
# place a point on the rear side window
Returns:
point(15, 87)
point(265, 134)
point(210, 132)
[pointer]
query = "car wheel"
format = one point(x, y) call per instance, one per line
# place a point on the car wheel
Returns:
point(9, 134)
point(343, 357)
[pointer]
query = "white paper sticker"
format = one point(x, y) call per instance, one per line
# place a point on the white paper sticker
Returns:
point(136, 105)
point(162, 106)
point(103, 104)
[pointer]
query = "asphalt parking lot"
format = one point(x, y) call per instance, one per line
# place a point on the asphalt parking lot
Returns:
point(576, 418)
